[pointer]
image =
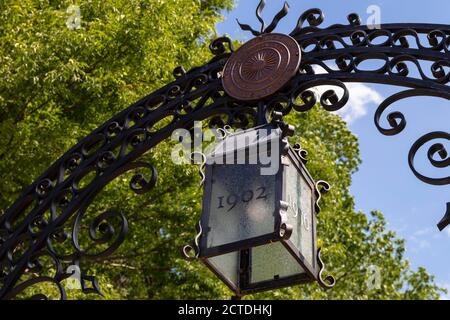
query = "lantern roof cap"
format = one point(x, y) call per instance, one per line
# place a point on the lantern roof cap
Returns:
point(241, 140)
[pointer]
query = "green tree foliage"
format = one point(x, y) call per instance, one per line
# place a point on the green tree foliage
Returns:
point(57, 84)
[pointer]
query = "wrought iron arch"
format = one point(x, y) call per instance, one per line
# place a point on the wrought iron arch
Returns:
point(116, 146)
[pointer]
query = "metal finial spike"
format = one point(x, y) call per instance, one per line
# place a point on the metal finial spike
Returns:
point(259, 10)
point(246, 27)
point(280, 15)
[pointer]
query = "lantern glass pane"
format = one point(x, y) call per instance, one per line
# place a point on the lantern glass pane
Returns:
point(227, 265)
point(242, 204)
point(299, 195)
point(272, 261)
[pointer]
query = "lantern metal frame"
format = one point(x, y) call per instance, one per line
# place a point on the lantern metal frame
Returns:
point(198, 95)
point(274, 236)
point(281, 232)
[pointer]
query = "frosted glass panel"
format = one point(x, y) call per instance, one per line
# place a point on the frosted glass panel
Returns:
point(227, 265)
point(300, 213)
point(305, 227)
point(242, 204)
point(272, 261)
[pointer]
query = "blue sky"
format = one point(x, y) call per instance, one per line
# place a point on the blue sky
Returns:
point(384, 181)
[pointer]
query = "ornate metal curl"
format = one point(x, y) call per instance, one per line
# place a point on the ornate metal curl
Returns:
point(437, 148)
point(329, 281)
point(302, 153)
point(194, 247)
point(201, 169)
point(224, 132)
point(322, 187)
point(39, 219)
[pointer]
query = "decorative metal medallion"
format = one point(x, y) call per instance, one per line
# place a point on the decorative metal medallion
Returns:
point(261, 67)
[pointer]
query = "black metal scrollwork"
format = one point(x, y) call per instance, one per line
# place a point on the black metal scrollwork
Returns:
point(337, 54)
point(72, 183)
point(437, 148)
point(32, 229)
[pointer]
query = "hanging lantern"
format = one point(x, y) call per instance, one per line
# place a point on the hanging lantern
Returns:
point(258, 226)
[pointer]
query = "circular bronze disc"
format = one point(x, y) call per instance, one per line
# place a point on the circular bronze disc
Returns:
point(261, 67)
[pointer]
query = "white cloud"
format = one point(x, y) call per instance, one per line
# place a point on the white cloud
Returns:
point(361, 97)
point(423, 244)
point(447, 231)
point(423, 232)
point(419, 240)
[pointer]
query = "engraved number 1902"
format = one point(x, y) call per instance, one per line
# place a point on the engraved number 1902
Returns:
point(233, 199)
